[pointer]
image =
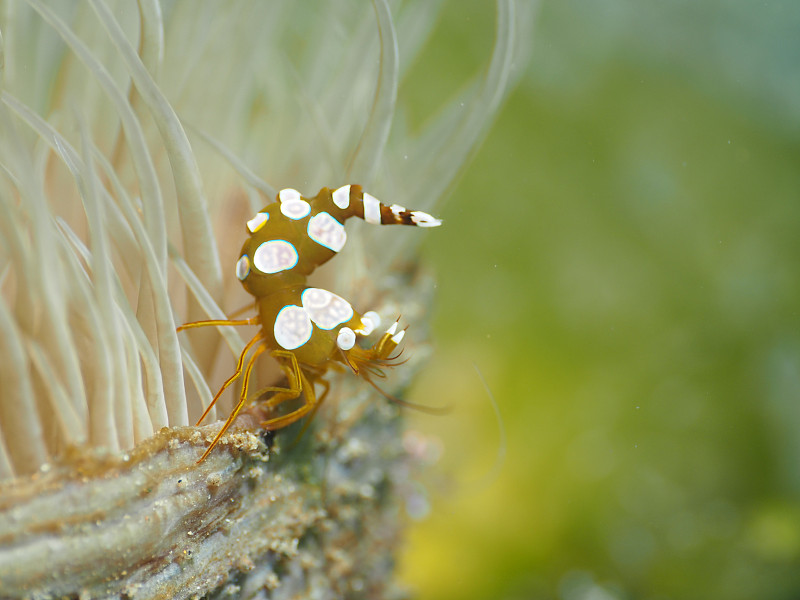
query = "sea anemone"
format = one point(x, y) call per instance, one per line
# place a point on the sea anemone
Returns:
point(136, 140)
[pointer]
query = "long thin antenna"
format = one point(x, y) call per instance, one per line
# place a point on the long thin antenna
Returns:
point(502, 446)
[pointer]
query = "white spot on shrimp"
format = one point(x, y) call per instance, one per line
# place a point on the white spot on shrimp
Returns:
point(374, 317)
point(275, 256)
point(346, 338)
point(327, 231)
point(372, 210)
point(288, 195)
point(292, 327)
point(423, 219)
point(397, 209)
point(257, 222)
point(325, 308)
point(341, 197)
point(369, 321)
point(295, 209)
point(242, 267)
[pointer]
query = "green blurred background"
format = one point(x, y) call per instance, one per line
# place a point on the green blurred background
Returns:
point(621, 264)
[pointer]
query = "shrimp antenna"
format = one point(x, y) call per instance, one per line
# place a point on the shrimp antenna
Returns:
point(502, 446)
point(431, 410)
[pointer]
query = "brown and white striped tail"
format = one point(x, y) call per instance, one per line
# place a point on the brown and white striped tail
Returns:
point(366, 206)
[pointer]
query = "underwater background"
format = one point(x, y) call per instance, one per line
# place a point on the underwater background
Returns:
point(617, 271)
point(620, 264)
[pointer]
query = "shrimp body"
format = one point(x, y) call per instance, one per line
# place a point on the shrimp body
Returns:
point(305, 328)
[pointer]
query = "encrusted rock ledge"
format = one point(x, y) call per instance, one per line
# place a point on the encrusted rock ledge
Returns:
point(317, 520)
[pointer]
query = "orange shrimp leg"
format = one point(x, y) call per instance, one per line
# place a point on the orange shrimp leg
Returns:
point(283, 394)
point(239, 365)
point(292, 375)
point(327, 385)
point(243, 397)
point(309, 407)
point(218, 322)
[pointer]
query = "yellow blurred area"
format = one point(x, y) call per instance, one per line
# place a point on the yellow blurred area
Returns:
point(620, 262)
